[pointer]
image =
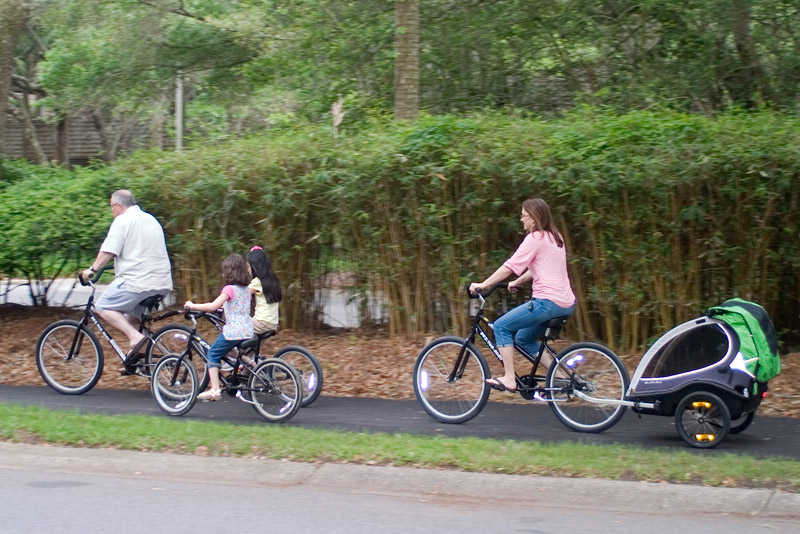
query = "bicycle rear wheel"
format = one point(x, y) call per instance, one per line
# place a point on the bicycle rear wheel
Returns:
point(175, 339)
point(457, 400)
point(69, 357)
point(596, 373)
point(308, 369)
point(275, 390)
point(174, 384)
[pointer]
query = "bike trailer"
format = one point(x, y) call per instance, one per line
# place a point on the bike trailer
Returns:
point(711, 373)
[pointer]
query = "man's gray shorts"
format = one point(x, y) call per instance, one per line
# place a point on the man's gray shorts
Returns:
point(116, 298)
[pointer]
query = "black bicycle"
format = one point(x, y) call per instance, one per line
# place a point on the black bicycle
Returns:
point(177, 339)
point(583, 385)
point(70, 358)
point(271, 386)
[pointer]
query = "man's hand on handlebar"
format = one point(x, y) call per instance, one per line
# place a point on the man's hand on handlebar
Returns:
point(86, 275)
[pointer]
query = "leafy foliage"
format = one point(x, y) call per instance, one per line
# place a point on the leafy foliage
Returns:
point(49, 221)
point(251, 65)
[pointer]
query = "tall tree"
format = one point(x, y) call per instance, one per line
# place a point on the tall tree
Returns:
point(406, 63)
point(13, 14)
point(752, 74)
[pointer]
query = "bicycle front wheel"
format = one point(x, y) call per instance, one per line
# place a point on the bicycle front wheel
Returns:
point(308, 369)
point(451, 389)
point(275, 390)
point(174, 384)
point(69, 357)
point(175, 339)
point(583, 376)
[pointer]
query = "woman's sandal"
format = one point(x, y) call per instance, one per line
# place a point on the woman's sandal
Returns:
point(210, 395)
point(495, 383)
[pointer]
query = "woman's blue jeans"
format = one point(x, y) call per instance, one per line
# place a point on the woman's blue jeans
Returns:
point(220, 348)
point(525, 323)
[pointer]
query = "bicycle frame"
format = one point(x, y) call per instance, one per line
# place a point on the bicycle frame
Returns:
point(89, 313)
point(477, 329)
point(229, 382)
point(522, 387)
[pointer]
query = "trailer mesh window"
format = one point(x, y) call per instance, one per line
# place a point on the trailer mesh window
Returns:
point(691, 350)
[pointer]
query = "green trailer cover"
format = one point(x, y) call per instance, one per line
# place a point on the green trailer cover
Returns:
point(757, 338)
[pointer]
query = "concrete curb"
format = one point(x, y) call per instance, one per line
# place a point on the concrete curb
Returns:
point(415, 484)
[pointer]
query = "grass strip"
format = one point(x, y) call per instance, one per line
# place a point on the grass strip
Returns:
point(35, 424)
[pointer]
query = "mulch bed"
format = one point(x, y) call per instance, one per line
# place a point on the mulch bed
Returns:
point(356, 363)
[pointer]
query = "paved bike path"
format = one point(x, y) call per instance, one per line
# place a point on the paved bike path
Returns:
point(767, 436)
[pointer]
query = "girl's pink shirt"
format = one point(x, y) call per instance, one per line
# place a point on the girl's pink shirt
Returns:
point(547, 263)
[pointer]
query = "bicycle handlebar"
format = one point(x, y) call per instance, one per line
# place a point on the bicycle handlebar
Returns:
point(188, 314)
point(94, 278)
point(489, 291)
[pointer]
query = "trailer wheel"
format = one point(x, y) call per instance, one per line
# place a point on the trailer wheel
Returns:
point(702, 419)
point(741, 424)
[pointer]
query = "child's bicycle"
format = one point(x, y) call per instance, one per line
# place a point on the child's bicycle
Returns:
point(584, 385)
point(70, 358)
point(177, 339)
point(271, 386)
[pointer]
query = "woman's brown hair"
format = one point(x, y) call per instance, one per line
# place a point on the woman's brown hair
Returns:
point(540, 213)
point(234, 270)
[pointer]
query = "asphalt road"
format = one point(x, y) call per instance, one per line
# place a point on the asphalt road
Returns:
point(767, 436)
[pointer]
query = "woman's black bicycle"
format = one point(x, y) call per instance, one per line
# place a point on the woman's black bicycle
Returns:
point(271, 386)
point(583, 385)
point(178, 338)
point(70, 358)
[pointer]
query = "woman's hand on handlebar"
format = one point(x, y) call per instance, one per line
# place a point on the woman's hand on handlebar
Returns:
point(475, 287)
point(514, 285)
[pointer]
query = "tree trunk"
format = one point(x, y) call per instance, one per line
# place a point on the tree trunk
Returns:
point(406, 63)
point(23, 115)
point(13, 14)
point(752, 75)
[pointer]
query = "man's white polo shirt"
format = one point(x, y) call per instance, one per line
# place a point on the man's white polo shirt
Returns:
point(137, 241)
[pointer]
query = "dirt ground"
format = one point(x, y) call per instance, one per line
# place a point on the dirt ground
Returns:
point(355, 363)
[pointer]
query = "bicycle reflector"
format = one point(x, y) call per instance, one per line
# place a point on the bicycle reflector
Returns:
point(575, 360)
point(423, 380)
point(704, 437)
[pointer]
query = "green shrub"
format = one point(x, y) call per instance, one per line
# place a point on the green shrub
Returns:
point(664, 213)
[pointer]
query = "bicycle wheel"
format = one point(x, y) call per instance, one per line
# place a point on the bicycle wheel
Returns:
point(308, 369)
point(174, 384)
point(275, 390)
point(702, 419)
point(175, 339)
point(453, 400)
point(69, 373)
point(597, 374)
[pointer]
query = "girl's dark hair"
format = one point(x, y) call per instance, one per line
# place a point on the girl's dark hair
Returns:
point(262, 269)
point(540, 213)
point(234, 270)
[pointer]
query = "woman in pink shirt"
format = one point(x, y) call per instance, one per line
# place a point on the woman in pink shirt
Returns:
point(542, 260)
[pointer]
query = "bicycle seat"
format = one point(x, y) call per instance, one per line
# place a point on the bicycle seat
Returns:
point(553, 328)
point(256, 339)
point(152, 303)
